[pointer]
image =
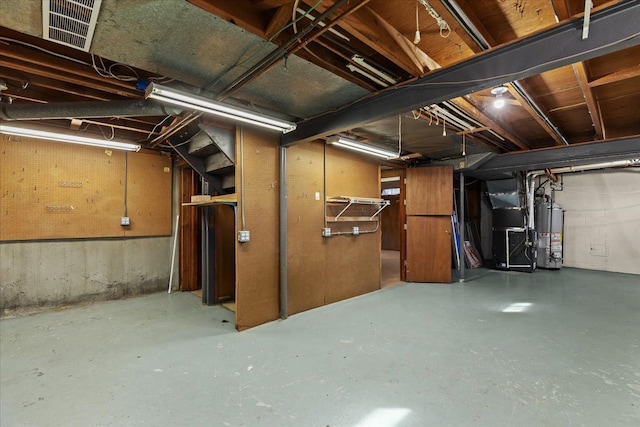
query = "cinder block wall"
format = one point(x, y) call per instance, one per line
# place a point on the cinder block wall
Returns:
point(602, 219)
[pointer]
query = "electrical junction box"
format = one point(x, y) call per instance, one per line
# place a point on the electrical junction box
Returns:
point(125, 220)
point(243, 236)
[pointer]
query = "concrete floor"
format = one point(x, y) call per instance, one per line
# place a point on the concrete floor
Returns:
point(409, 355)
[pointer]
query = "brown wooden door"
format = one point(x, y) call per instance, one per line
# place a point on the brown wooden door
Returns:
point(429, 205)
point(430, 191)
point(429, 249)
point(390, 224)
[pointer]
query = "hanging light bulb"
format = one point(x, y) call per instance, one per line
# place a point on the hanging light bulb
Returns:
point(416, 39)
point(498, 92)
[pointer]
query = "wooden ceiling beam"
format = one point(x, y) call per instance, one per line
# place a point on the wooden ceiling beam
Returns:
point(67, 67)
point(580, 71)
point(477, 22)
point(522, 101)
point(270, 4)
point(491, 42)
point(279, 20)
point(52, 82)
point(468, 106)
point(532, 112)
point(592, 103)
point(365, 25)
point(238, 12)
point(68, 78)
point(617, 76)
point(419, 58)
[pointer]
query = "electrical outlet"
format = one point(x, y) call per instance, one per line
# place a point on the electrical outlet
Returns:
point(125, 220)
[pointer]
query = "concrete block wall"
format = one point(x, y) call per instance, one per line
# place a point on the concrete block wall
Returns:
point(54, 273)
point(601, 220)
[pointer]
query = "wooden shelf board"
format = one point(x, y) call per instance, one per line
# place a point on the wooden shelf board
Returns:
point(216, 200)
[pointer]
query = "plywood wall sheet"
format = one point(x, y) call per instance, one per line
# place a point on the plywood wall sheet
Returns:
point(148, 194)
point(353, 262)
point(430, 191)
point(351, 174)
point(353, 266)
point(52, 190)
point(305, 245)
point(257, 271)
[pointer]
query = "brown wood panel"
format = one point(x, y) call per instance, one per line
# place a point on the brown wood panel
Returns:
point(390, 224)
point(190, 232)
point(305, 244)
point(149, 183)
point(224, 223)
point(353, 262)
point(430, 191)
point(55, 190)
point(257, 261)
point(353, 266)
point(429, 249)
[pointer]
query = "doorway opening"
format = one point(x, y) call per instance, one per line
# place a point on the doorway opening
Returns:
point(391, 185)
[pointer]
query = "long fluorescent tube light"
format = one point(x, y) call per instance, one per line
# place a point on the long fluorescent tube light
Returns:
point(362, 148)
point(361, 61)
point(195, 102)
point(64, 137)
point(367, 75)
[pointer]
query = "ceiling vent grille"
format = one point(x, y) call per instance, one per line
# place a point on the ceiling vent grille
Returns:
point(70, 22)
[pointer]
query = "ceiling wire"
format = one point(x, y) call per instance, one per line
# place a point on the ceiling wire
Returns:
point(293, 16)
point(399, 134)
point(416, 39)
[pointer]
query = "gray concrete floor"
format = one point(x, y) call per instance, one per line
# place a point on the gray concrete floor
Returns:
point(409, 355)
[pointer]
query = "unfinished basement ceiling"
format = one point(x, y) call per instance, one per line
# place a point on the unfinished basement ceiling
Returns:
point(204, 45)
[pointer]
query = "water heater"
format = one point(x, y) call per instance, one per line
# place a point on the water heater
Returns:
point(548, 222)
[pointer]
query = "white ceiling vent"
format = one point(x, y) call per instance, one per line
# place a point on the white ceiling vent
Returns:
point(70, 22)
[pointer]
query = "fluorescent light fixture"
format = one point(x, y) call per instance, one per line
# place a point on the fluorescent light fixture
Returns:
point(67, 137)
point(343, 142)
point(370, 76)
point(206, 105)
point(384, 76)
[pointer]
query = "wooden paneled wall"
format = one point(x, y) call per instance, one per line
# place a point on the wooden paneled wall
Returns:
point(257, 261)
point(324, 270)
point(55, 190)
